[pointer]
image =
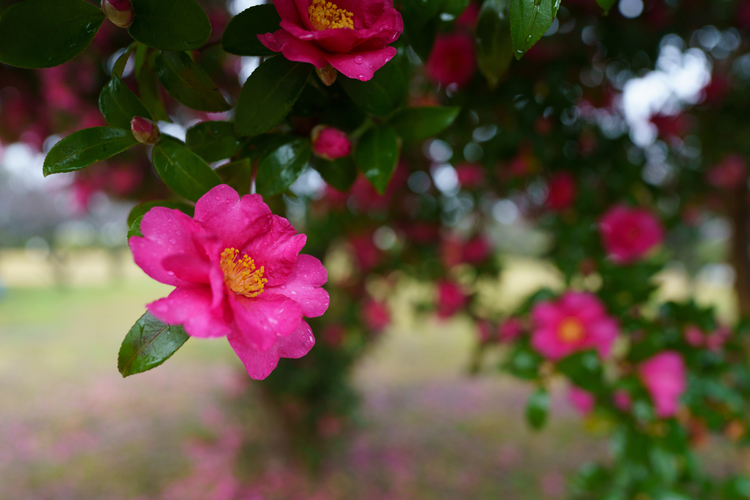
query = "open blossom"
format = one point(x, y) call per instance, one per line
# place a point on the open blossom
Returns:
point(664, 377)
point(582, 400)
point(450, 299)
point(238, 273)
point(352, 36)
point(576, 322)
point(629, 233)
point(452, 60)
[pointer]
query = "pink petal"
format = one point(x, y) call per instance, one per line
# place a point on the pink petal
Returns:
point(188, 268)
point(303, 285)
point(546, 314)
point(260, 364)
point(287, 9)
point(191, 307)
point(276, 250)
point(361, 65)
point(263, 319)
point(546, 342)
point(166, 232)
point(293, 48)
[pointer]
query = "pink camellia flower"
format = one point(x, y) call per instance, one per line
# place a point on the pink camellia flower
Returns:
point(452, 60)
point(476, 250)
point(731, 173)
point(450, 298)
point(562, 191)
point(622, 400)
point(694, 336)
point(470, 175)
point(510, 329)
point(350, 35)
point(583, 401)
point(576, 322)
point(330, 143)
point(238, 273)
point(629, 233)
point(376, 315)
point(485, 332)
point(664, 377)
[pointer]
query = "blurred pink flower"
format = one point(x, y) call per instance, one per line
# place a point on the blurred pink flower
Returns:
point(376, 315)
point(368, 256)
point(450, 299)
point(510, 329)
point(470, 175)
point(562, 191)
point(576, 322)
point(350, 35)
point(664, 377)
point(238, 273)
point(330, 143)
point(469, 16)
point(622, 400)
point(452, 60)
point(629, 233)
point(730, 173)
point(485, 332)
point(582, 401)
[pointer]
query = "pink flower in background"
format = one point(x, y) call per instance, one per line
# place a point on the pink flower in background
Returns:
point(622, 400)
point(470, 175)
point(730, 173)
point(510, 329)
point(452, 60)
point(576, 322)
point(629, 233)
point(476, 250)
point(368, 256)
point(694, 336)
point(376, 315)
point(562, 191)
point(582, 401)
point(485, 332)
point(330, 143)
point(350, 35)
point(238, 273)
point(450, 299)
point(664, 377)
point(712, 341)
point(469, 16)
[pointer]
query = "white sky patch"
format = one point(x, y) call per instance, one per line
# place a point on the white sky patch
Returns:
point(237, 6)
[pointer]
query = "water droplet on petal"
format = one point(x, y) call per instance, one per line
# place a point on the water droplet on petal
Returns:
point(371, 66)
point(362, 77)
point(172, 241)
point(218, 198)
point(359, 59)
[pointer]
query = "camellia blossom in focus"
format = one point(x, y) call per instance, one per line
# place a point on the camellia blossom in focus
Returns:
point(350, 35)
point(452, 60)
point(629, 233)
point(576, 322)
point(238, 273)
point(664, 377)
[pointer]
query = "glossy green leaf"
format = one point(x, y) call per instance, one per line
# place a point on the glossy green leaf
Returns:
point(120, 105)
point(269, 94)
point(46, 33)
point(237, 174)
point(122, 61)
point(148, 344)
point(278, 169)
point(383, 93)
point(188, 83)
point(494, 43)
point(148, 83)
point(455, 7)
point(85, 147)
point(420, 24)
point(523, 362)
point(583, 369)
point(340, 173)
point(414, 124)
point(140, 210)
point(175, 25)
point(241, 38)
point(134, 229)
point(377, 156)
point(537, 408)
point(529, 21)
point(213, 141)
point(606, 4)
point(186, 173)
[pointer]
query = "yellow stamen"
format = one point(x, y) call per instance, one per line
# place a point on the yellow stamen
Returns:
point(326, 15)
point(571, 330)
point(240, 276)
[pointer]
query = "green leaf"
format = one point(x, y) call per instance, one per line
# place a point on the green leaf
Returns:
point(237, 174)
point(148, 83)
point(85, 147)
point(175, 25)
point(188, 83)
point(606, 4)
point(383, 93)
point(148, 344)
point(455, 7)
point(186, 173)
point(494, 43)
point(537, 408)
point(583, 369)
point(140, 210)
point(213, 141)
point(278, 169)
point(340, 173)
point(241, 38)
point(120, 105)
point(135, 228)
point(414, 124)
point(377, 156)
point(523, 362)
point(122, 61)
point(529, 21)
point(421, 24)
point(269, 94)
point(46, 33)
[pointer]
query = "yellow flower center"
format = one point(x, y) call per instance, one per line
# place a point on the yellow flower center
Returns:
point(326, 15)
point(240, 275)
point(571, 330)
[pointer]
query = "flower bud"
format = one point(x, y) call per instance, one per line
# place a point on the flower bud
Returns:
point(327, 74)
point(120, 12)
point(330, 143)
point(145, 131)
